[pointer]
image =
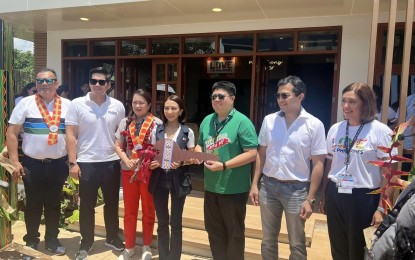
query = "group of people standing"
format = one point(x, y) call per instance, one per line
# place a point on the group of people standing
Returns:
point(88, 136)
point(295, 157)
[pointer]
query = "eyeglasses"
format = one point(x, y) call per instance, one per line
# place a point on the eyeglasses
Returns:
point(48, 81)
point(101, 82)
point(282, 95)
point(220, 96)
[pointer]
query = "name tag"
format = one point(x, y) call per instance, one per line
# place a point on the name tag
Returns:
point(345, 184)
point(344, 190)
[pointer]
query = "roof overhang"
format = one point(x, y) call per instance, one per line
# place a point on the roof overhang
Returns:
point(29, 17)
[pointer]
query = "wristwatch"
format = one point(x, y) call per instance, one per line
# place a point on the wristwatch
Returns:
point(311, 201)
point(72, 164)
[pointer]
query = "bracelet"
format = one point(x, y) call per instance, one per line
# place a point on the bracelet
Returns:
point(381, 210)
point(224, 166)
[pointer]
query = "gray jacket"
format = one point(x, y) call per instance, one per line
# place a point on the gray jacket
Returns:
point(406, 218)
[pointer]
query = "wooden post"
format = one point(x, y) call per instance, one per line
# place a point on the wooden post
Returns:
point(372, 47)
point(389, 59)
point(405, 73)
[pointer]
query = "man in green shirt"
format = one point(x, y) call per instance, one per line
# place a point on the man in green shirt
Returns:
point(231, 136)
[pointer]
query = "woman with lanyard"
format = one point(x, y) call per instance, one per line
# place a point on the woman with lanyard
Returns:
point(175, 180)
point(134, 136)
point(351, 143)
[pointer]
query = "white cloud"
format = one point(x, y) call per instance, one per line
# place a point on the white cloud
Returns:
point(23, 45)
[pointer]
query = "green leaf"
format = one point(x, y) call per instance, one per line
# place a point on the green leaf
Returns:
point(74, 217)
point(67, 191)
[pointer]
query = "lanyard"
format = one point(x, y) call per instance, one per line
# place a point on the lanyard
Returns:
point(222, 125)
point(349, 146)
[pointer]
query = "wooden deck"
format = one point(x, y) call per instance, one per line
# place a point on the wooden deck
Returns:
point(195, 238)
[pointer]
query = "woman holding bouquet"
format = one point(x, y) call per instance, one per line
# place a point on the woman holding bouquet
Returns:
point(135, 135)
point(174, 181)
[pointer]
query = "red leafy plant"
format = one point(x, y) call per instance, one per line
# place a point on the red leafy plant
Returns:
point(388, 171)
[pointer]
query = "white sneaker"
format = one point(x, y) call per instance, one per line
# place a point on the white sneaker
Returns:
point(126, 254)
point(146, 253)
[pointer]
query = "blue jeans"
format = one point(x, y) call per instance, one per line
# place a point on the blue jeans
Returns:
point(274, 198)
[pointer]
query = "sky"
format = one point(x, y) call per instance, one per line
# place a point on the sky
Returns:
point(23, 45)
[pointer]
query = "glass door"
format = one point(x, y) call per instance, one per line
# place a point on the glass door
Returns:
point(129, 84)
point(165, 83)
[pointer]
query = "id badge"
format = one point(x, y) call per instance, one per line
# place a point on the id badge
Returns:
point(345, 185)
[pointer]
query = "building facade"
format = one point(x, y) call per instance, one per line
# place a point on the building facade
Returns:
point(183, 47)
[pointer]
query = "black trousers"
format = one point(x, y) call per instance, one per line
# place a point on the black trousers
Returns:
point(43, 183)
point(93, 176)
point(169, 247)
point(225, 224)
point(406, 166)
point(347, 216)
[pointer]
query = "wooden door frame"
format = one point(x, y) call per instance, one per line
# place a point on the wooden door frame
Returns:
point(154, 81)
point(260, 77)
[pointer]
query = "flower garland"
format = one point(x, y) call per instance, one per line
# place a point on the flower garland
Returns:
point(145, 154)
point(128, 138)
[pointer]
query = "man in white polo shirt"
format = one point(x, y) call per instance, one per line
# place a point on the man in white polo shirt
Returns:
point(41, 119)
point(91, 123)
point(288, 141)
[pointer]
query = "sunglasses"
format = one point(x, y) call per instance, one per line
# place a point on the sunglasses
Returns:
point(220, 96)
point(101, 82)
point(282, 95)
point(48, 81)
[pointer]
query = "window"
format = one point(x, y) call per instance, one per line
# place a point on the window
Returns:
point(323, 40)
point(236, 43)
point(199, 45)
point(165, 46)
point(275, 42)
point(75, 49)
point(398, 47)
point(103, 48)
point(133, 47)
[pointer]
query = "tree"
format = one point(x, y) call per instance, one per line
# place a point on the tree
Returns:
point(23, 61)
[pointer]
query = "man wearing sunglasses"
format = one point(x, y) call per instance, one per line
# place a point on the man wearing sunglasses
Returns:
point(91, 123)
point(42, 118)
point(288, 141)
point(231, 136)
